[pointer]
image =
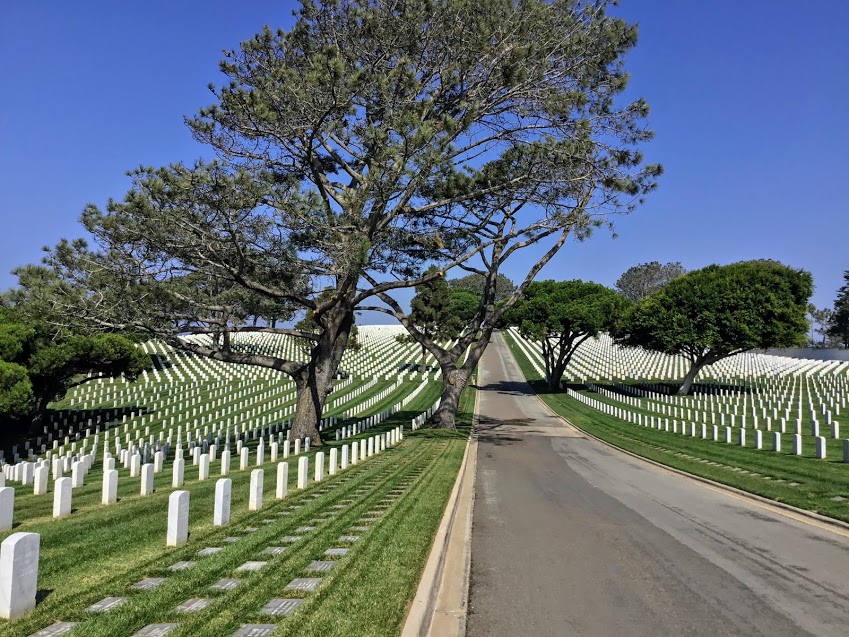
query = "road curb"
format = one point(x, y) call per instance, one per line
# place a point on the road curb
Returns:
point(835, 525)
point(439, 606)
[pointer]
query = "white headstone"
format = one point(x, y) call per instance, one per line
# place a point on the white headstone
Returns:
point(319, 466)
point(303, 468)
point(255, 496)
point(282, 480)
point(77, 474)
point(178, 470)
point(110, 487)
point(203, 467)
point(26, 473)
point(821, 450)
point(62, 498)
point(344, 457)
point(333, 461)
point(178, 519)
point(18, 574)
point(223, 491)
point(7, 508)
point(225, 462)
point(244, 458)
point(147, 479)
point(39, 483)
point(260, 454)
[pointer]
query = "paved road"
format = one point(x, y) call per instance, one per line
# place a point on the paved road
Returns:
point(573, 538)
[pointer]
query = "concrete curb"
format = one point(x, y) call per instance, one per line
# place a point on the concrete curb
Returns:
point(439, 606)
point(802, 515)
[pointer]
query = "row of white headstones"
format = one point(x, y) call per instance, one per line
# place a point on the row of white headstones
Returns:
point(237, 407)
point(724, 405)
point(19, 553)
point(264, 395)
point(38, 473)
point(62, 460)
point(781, 395)
point(601, 359)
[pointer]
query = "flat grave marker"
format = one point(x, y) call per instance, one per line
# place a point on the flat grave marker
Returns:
point(193, 605)
point(155, 630)
point(226, 584)
point(280, 606)
point(148, 583)
point(106, 604)
point(54, 630)
point(251, 566)
point(306, 584)
point(255, 630)
point(181, 566)
point(320, 566)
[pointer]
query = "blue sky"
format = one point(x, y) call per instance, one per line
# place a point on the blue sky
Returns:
point(749, 103)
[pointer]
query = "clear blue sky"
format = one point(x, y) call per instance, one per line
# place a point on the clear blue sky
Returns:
point(749, 104)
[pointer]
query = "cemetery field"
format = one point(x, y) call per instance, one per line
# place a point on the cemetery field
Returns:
point(316, 540)
point(802, 480)
point(382, 513)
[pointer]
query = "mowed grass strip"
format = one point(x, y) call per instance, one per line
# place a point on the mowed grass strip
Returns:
point(815, 483)
point(102, 551)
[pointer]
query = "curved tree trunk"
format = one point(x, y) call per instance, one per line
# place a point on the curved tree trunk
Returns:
point(315, 381)
point(687, 385)
point(454, 380)
point(453, 384)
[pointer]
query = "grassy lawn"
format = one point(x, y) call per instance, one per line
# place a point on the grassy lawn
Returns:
point(100, 551)
point(802, 481)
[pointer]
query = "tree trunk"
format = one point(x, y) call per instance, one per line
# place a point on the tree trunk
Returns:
point(555, 377)
point(687, 385)
point(424, 359)
point(453, 384)
point(315, 381)
point(454, 380)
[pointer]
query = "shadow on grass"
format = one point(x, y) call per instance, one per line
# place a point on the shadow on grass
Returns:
point(672, 388)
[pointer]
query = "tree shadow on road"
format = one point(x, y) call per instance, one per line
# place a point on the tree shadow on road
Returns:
point(509, 388)
point(490, 430)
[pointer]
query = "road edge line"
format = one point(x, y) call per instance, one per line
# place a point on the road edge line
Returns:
point(439, 606)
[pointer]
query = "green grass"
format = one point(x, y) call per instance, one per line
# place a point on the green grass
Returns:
point(768, 473)
point(101, 551)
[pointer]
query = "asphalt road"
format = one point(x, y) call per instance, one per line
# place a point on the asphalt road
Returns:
point(571, 537)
